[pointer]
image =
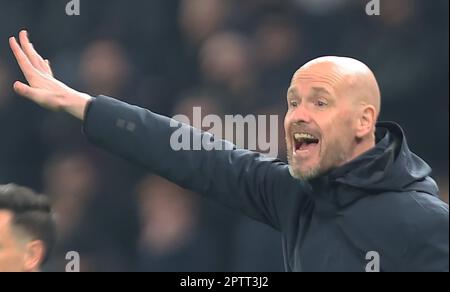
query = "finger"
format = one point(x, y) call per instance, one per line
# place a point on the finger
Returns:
point(24, 63)
point(35, 59)
point(35, 94)
point(44, 64)
point(48, 66)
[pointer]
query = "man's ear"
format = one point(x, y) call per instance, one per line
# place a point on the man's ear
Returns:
point(34, 256)
point(366, 121)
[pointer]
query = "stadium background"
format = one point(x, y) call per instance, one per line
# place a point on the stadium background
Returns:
point(230, 57)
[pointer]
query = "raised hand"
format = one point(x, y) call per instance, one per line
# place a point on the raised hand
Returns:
point(42, 87)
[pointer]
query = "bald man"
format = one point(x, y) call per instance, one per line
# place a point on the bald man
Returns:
point(352, 198)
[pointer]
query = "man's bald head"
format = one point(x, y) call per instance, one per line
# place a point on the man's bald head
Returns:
point(333, 106)
point(349, 76)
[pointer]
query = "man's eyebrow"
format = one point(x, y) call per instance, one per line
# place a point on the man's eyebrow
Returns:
point(292, 92)
point(316, 90)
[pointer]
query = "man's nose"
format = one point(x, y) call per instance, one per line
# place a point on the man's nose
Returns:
point(301, 114)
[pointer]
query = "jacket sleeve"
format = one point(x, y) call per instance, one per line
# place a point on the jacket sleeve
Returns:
point(243, 180)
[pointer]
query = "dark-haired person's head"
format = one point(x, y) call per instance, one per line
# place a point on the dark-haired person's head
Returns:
point(27, 230)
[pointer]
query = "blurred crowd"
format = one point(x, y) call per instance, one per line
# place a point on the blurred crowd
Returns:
point(227, 56)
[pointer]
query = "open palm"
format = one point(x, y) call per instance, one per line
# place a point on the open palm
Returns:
point(42, 87)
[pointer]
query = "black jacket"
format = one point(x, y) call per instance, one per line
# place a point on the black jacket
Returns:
point(384, 201)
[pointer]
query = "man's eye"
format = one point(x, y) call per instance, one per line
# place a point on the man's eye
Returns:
point(293, 103)
point(321, 103)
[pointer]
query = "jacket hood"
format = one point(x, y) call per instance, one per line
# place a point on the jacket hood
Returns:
point(389, 166)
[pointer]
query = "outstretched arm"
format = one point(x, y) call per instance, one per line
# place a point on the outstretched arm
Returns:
point(246, 181)
point(42, 87)
point(257, 186)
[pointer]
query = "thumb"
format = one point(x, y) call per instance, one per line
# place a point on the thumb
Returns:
point(32, 93)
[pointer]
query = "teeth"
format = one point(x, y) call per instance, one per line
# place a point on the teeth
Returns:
point(300, 136)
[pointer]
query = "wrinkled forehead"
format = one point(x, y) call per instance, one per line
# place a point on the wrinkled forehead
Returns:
point(316, 80)
point(338, 75)
point(322, 72)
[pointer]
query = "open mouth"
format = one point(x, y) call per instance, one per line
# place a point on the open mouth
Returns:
point(304, 142)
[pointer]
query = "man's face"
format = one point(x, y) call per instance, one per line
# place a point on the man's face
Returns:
point(319, 123)
point(12, 251)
